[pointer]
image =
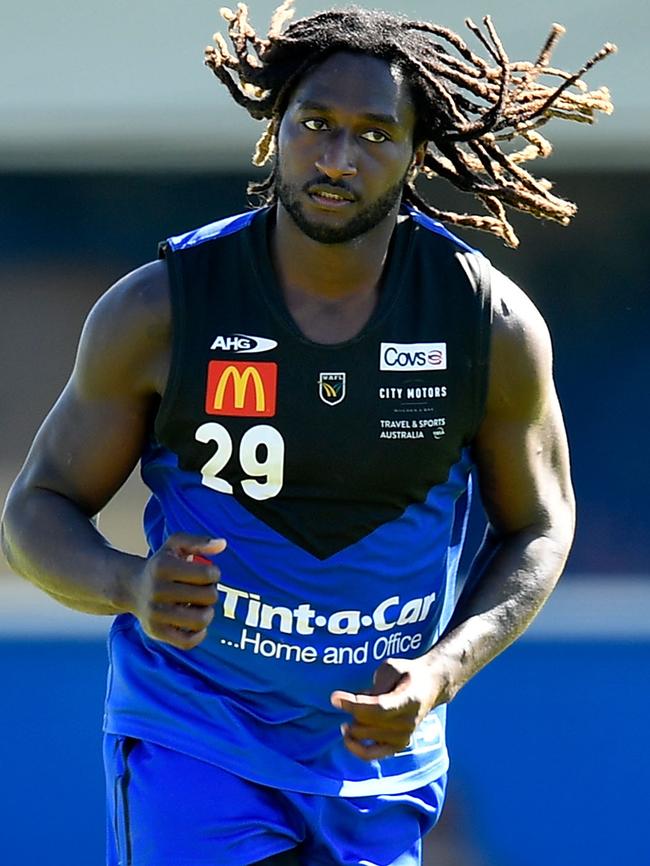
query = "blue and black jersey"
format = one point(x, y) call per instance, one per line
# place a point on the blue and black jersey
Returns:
point(340, 477)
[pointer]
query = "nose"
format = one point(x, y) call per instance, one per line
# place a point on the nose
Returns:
point(338, 159)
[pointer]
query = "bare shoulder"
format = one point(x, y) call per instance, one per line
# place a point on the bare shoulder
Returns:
point(126, 338)
point(521, 357)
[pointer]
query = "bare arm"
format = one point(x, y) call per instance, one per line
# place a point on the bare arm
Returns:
point(523, 468)
point(81, 456)
point(522, 458)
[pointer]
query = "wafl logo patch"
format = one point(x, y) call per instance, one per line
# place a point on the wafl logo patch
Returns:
point(331, 388)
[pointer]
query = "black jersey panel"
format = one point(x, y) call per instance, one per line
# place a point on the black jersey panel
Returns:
point(324, 443)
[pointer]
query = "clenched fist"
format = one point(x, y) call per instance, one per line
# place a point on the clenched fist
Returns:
point(174, 595)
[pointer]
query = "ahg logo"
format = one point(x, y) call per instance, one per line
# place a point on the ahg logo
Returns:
point(238, 388)
point(243, 343)
point(413, 356)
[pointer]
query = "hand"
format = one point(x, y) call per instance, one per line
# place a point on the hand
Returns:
point(175, 593)
point(403, 692)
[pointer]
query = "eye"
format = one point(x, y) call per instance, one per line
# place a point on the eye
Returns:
point(314, 124)
point(376, 136)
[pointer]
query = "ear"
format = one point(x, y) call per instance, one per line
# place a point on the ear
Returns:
point(418, 155)
point(417, 160)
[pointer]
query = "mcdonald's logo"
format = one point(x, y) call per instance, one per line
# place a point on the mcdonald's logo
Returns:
point(240, 388)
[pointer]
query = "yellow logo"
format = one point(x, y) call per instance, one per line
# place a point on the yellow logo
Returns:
point(238, 388)
point(240, 382)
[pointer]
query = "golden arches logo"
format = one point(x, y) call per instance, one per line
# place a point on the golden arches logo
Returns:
point(240, 380)
point(240, 388)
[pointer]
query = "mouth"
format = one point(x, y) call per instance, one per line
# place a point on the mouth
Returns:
point(330, 197)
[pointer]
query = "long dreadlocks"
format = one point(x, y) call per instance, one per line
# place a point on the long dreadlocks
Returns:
point(467, 107)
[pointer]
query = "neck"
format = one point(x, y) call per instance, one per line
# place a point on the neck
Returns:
point(329, 271)
point(330, 290)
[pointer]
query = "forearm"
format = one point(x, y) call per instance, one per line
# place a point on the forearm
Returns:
point(48, 540)
point(508, 584)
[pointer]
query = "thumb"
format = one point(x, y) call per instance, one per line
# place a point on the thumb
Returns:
point(339, 697)
point(388, 678)
point(186, 546)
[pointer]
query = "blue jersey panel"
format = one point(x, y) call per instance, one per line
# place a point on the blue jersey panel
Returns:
point(437, 227)
point(254, 697)
point(220, 229)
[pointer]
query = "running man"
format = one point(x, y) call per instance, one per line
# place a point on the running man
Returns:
point(307, 387)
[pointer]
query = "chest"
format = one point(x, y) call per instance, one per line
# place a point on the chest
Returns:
point(263, 412)
point(322, 442)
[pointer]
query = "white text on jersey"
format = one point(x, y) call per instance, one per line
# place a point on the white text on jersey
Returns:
point(243, 343)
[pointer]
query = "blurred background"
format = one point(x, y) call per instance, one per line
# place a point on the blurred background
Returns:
point(113, 136)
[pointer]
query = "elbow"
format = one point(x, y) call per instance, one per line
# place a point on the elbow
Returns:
point(563, 524)
point(5, 522)
point(4, 543)
point(10, 522)
point(559, 531)
point(7, 548)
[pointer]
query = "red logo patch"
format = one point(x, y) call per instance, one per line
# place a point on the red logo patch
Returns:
point(241, 388)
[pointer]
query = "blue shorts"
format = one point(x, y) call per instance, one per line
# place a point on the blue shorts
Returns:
point(167, 809)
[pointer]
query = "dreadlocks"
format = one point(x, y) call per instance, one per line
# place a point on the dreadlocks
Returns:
point(468, 108)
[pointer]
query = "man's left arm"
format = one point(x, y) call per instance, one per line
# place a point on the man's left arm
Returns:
point(522, 460)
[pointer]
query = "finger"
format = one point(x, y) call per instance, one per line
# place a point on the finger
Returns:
point(369, 751)
point(338, 698)
point(170, 568)
point(186, 640)
point(204, 595)
point(393, 736)
point(177, 637)
point(366, 708)
point(190, 617)
point(187, 617)
point(184, 544)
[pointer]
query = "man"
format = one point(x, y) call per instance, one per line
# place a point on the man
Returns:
point(307, 387)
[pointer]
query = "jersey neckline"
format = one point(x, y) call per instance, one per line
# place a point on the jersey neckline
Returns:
point(258, 243)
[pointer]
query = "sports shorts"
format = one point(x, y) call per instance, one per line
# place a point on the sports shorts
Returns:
point(168, 809)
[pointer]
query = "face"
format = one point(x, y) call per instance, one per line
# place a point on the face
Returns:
point(345, 147)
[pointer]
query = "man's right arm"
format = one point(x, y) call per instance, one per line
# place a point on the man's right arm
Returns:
point(83, 453)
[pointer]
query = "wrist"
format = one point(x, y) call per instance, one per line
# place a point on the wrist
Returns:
point(123, 570)
point(446, 671)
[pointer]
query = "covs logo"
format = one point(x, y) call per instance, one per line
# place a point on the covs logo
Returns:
point(240, 388)
point(413, 356)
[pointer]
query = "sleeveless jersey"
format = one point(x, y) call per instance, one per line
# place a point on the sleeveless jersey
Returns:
point(340, 477)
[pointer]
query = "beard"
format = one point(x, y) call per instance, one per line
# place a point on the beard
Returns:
point(365, 220)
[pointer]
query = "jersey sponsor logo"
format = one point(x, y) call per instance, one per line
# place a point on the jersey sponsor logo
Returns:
point(240, 388)
point(413, 393)
point(390, 613)
point(331, 388)
point(394, 627)
point(413, 356)
point(243, 343)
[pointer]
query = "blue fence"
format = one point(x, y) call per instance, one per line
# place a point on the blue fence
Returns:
point(548, 748)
